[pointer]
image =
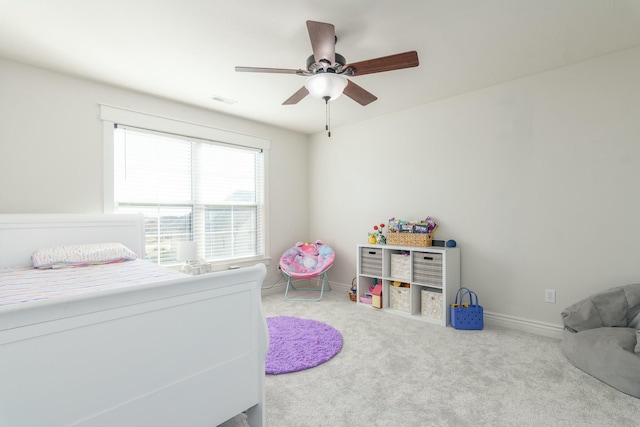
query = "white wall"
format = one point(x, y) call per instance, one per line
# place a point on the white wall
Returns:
point(536, 179)
point(51, 149)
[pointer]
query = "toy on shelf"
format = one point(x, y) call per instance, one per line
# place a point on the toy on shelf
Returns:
point(399, 284)
point(377, 236)
point(376, 300)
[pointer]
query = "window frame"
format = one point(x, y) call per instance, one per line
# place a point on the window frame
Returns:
point(111, 115)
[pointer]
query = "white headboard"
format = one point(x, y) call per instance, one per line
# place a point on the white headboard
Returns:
point(21, 235)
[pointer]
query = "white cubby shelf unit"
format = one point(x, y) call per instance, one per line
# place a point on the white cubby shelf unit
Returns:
point(433, 274)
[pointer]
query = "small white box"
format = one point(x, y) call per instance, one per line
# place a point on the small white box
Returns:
point(400, 267)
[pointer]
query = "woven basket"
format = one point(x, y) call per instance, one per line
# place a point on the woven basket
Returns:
point(352, 296)
point(409, 239)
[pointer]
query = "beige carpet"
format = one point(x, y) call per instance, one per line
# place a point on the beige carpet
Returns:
point(394, 371)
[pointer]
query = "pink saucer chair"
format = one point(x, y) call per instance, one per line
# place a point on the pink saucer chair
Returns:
point(307, 261)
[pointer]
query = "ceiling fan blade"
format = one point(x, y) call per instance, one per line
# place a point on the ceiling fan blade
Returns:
point(271, 70)
point(323, 41)
point(358, 94)
point(296, 97)
point(385, 63)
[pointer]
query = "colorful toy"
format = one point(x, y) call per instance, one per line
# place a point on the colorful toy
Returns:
point(377, 235)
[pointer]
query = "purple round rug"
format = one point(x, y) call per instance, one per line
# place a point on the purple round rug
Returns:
point(296, 344)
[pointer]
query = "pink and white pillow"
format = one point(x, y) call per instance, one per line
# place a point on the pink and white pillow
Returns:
point(81, 255)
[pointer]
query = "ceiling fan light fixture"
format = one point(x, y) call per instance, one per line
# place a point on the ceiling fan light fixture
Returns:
point(326, 85)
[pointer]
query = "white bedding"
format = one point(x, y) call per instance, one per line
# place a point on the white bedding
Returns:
point(24, 284)
point(162, 354)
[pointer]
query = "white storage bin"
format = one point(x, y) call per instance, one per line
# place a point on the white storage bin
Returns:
point(399, 298)
point(431, 304)
point(400, 267)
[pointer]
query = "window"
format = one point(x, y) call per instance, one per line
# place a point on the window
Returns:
point(190, 188)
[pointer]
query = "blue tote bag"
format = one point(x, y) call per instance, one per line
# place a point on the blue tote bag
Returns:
point(467, 316)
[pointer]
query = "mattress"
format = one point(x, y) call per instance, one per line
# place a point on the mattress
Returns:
point(24, 284)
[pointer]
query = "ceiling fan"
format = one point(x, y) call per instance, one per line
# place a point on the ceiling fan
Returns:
point(326, 69)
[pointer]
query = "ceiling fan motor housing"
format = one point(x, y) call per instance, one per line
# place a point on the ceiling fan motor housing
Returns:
point(324, 66)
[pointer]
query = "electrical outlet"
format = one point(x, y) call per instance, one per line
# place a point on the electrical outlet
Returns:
point(550, 295)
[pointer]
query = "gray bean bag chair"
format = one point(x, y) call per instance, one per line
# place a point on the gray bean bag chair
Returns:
point(601, 337)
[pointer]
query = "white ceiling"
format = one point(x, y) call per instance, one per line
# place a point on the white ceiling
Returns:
point(186, 50)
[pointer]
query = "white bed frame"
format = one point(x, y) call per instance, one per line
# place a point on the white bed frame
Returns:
point(186, 352)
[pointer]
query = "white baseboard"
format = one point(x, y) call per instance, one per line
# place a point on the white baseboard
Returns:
point(282, 286)
point(274, 289)
point(494, 319)
point(526, 325)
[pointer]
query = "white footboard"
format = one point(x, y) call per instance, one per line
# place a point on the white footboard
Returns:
point(188, 352)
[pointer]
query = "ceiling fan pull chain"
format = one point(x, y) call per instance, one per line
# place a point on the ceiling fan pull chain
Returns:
point(328, 116)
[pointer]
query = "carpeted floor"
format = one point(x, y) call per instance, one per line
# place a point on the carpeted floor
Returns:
point(394, 371)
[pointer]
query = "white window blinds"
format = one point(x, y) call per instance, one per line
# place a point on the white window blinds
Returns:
point(191, 189)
